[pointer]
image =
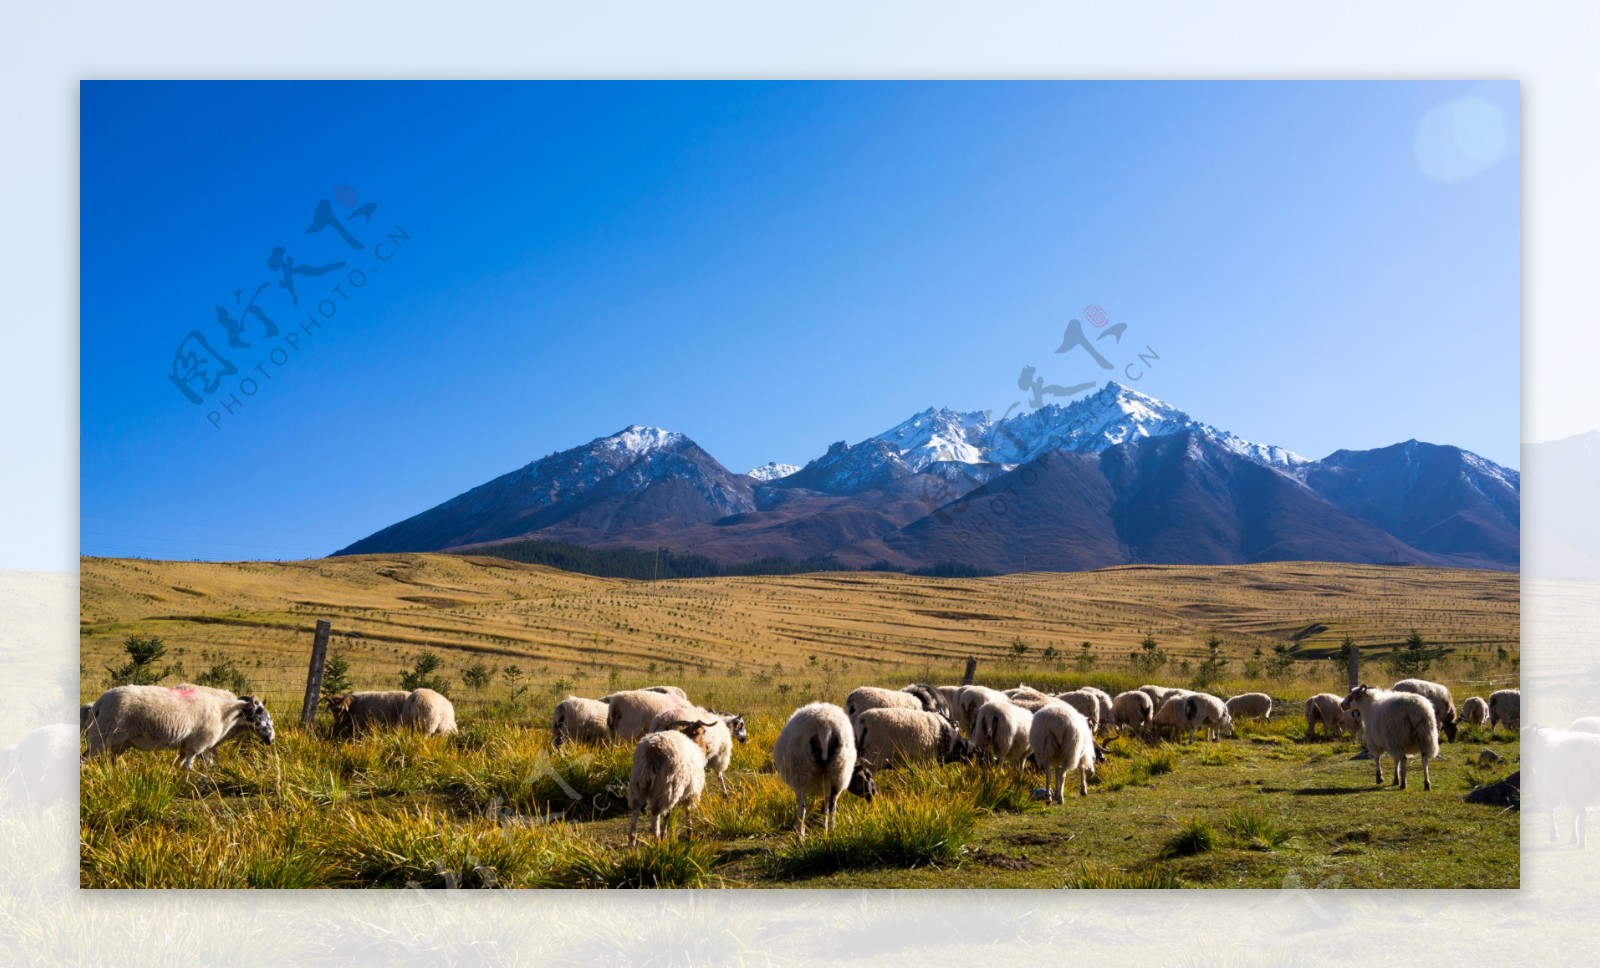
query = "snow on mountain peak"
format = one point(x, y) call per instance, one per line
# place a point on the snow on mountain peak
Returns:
point(772, 471)
point(636, 439)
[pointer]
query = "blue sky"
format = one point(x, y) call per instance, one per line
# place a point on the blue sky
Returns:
point(766, 267)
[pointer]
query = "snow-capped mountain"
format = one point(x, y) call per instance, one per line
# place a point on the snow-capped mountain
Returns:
point(772, 471)
point(1117, 476)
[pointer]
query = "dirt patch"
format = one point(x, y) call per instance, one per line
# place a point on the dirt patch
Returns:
point(435, 602)
point(1006, 862)
point(1031, 839)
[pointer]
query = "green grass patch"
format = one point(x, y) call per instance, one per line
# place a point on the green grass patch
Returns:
point(1195, 836)
point(916, 833)
point(1090, 875)
point(670, 863)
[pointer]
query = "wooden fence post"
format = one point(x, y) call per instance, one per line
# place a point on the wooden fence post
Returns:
point(1355, 667)
point(319, 653)
point(972, 671)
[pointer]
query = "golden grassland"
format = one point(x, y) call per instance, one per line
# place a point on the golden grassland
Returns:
point(494, 806)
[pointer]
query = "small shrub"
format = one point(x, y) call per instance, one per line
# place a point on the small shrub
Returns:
point(421, 675)
point(1194, 837)
point(225, 676)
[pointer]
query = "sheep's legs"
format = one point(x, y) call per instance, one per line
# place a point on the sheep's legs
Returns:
point(1083, 782)
point(1377, 764)
point(633, 829)
point(724, 782)
point(1400, 772)
point(1427, 776)
point(830, 810)
point(801, 800)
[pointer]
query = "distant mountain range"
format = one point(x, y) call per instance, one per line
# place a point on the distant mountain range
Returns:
point(1113, 478)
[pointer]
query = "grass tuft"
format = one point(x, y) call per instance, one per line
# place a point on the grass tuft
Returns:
point(1091, 875)
point(1256, 831)
point(671, 863)
point(913, 833)
point(1194, 837)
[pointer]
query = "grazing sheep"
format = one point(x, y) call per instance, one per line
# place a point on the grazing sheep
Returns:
point(969, 700)
point(428, 711)
point(1397, 724)
point(189, 721)
point(815, 754)
point(1565, 769)
point(238, 730)
point(1171, 714)
point(630, 712)
point(669, 769)
point(1106, 716)
point(949, 695)
point(1062, 741)
point(1161, 694)
point(676, 691)
point(1437, 695)
point(1132, 709)
point(1475, 710)
point(929, 696)
point(1505, 709)
point(1205, 710)
point(1085, 703)
point(1030, 699)
point(37, 770)
point(722, 730)
point(1250, 705)
point(1000, 732)
point(580, 719)
point(353, 713)
point(1324, 709)
point(864, 698)
point(888, 735)
point(1586, 725)
point(85, 713)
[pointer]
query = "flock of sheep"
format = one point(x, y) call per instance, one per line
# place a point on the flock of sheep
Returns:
point(824, 750)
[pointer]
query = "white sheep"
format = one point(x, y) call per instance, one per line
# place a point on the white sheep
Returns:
point(721, 731)
point(1244, 705)
point(629, 713)
point(815, 754)
point(676, 691)
point(969, 700)
point(1586, 725)
point(1062, 741)
point(1000, 732)
point(1205, 710)
point(1564, 766)
point(1030, 699)
point(1438, 696)
point(580, 719)
point(949, 694)
point(37, 770)
point(1132, 709)
point(669, 769)
point(1505, 709)
point(1475, 710)
point(1085, 703)
point(1324, 709)
point(1161, 694)
point(354, 713)
point(1106, 715)
point(888, 735)
point(864, 698)
point(189, 721)
point(1350, 720)
point(1397, 724)
point(1171, 714)
point(428, 711)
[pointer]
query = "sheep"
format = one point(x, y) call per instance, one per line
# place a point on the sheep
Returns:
point(1030, 699)
point(1586, 725)
point(1438, 695)
point(239, 729)
point(1000, 731)
point(1062, 741)
point(929, 696)
point(580, 719)
point(864, 698)
point(85, 713)
point(1160, 694)
point(1106, 715)
point(1085, 703)
point(815, 754)
point(1505, 709)
point(949, 695)
point(969, 700)
point(722, 730)
point(1565, 769)
point(36, 770)
point(1171, 714)
point(1475, 710)
point(1132, 709)
point(1350, 720)
point(669, 769)
point(1324, 709)
point(189, 721)
point(1205, 710)
point(629, 712)
point(1397, 724)
point(676, 691)
point(1250, 705)
point(905, 736)
point(353, 713)
point(428, 711)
